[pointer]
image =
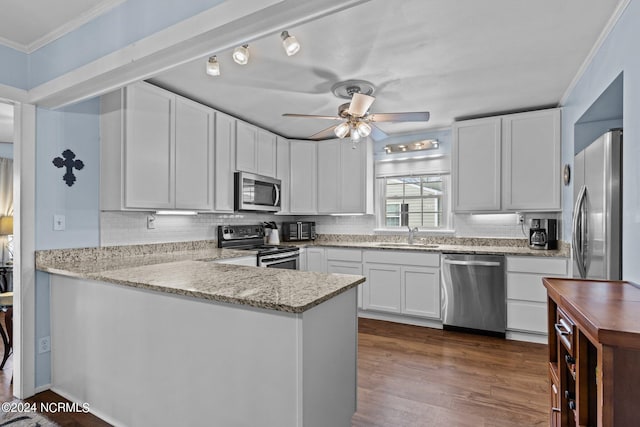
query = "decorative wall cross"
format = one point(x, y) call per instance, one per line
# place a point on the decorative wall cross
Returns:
point(69, 163)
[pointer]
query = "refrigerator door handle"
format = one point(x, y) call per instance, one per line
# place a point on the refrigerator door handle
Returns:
point(577, 237)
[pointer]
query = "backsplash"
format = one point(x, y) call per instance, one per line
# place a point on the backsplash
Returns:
point(130, 228)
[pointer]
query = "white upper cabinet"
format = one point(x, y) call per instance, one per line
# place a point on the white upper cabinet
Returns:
point(507, 163)
point(476, 165)
point(255, 150)
point(345, 177)
point(266, 153)
point(304, 177)
point(225, 158)
point(531, 161)
point(194, 156)
point(149, 147)
point(283, 166)
point(156, 151)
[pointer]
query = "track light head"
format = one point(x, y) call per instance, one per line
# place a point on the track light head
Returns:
point(213, 67)
point(290, 43)
point(241, 54)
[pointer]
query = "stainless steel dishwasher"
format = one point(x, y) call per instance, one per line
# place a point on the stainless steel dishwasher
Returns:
point(474, 293)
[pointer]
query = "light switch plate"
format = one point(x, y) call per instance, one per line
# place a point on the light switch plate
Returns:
point(59, 222)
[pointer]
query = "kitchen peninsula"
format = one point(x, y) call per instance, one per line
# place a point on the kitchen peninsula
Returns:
point(158, 335)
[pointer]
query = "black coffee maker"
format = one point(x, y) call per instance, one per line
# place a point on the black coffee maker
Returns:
point(543, 234)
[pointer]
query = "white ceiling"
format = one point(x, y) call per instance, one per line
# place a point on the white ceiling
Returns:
point(28, 25)
point(456, 59)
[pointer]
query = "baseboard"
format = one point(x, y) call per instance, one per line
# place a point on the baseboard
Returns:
point(42, 388)
point(528, 337)
point(436, 324)
point(92, 411)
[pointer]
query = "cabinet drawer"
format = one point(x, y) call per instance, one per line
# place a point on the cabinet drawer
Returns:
point(354, 255)
point(565, 329)
point(422, 259)
point(526, 287)
point(527, 316)
point(545, 266)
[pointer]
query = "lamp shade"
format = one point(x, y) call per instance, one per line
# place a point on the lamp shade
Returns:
point(6, 225)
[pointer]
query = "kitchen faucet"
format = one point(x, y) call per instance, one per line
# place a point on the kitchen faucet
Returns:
point(412, 232)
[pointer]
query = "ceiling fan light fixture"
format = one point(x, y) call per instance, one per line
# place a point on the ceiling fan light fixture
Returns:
point(290, 43)
point(241, 54)
point(355, 135)
point(342, 130)
point(213, 67)
point(363, 128)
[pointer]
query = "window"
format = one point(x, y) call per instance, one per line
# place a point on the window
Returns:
point(425, 197)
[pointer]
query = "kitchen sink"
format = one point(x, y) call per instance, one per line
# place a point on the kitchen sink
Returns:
point(407, 245)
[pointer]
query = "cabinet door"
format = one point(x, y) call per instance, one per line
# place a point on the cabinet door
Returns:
point(224, 160)
point(531, 161)
point(283, 165)
point(316, 260)
point(246, 147)
point(421, 291)
point(194, 155)
point(353, 184)
point(149, 148)
point(382, 288)
point(266, 153)
point(329, 176)
point(476, 165)
point(303, 177)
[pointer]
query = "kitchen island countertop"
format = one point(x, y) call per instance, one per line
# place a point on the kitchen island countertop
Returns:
point(190, 273)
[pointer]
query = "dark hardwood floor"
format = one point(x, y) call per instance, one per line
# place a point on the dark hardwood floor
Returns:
point(409, 376)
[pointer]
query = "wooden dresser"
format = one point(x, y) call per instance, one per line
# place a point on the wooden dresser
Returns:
point(594, 352)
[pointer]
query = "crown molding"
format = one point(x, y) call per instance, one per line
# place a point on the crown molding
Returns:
point(595, 48)
point(64, 29)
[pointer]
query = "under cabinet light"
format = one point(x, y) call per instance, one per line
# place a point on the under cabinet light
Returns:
point(176, 212)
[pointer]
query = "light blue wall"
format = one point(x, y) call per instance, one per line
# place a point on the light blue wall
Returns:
point(126, 23)
point(76, 128)
point(618, 54)
point(6, 150)
point(13, 68)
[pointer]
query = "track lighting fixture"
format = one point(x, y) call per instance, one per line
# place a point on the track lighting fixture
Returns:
point(213, 67)
point(290, 43)
point(241, 54)
point(427, 144)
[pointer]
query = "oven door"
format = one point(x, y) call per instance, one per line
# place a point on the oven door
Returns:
point(288, 260)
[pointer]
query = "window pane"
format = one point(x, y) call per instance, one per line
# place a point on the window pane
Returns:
point(395, 187)
point(411, 187)
point(424, 196)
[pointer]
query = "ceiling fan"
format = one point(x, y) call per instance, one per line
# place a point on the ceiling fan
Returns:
point(357, 122)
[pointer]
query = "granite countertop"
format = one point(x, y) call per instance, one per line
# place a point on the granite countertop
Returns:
point(485, 246)
point(189, 272)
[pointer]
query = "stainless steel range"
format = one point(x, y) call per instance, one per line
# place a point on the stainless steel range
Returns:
point(251, 237)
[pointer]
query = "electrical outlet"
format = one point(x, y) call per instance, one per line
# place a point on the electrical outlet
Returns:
point(519, 218)
point(44, 345)
point(59, 222)
point(151, 222)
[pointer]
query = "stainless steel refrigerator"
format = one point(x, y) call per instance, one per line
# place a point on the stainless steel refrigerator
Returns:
point(597, 212)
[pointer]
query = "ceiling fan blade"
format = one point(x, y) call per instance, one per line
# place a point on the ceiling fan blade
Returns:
point(399, 117)
point(312, 116)
point(377, 134)
point(360, 104)
point(324, 134)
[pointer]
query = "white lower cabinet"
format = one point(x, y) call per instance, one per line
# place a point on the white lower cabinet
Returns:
point(526, 295)
point(406, 283)
point(316, 260)
point(346, 261)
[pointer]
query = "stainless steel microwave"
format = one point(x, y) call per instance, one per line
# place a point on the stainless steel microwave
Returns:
point(256, 193)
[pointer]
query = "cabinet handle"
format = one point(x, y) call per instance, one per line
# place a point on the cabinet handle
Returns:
point(555, 409)
point(560, 329)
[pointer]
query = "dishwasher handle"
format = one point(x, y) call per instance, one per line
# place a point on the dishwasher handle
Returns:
point(472, 263)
